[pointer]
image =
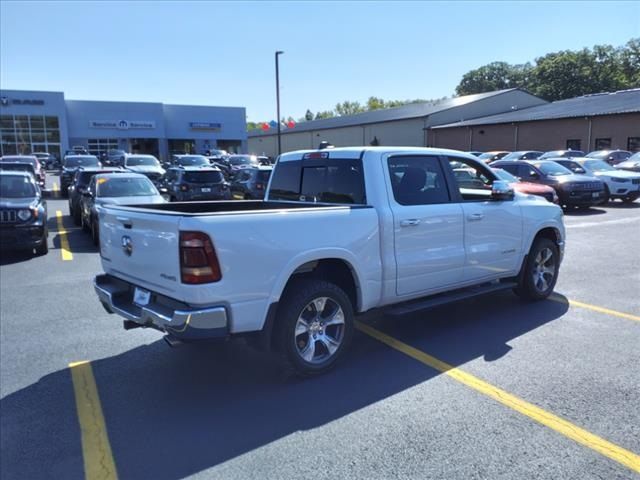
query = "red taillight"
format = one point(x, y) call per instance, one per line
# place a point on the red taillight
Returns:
point(198, 259)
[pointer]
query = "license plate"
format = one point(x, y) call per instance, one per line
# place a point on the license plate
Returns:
point(596, 194)
point(141, 297)
point(206, 190)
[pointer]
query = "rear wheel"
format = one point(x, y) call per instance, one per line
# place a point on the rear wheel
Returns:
point(540, 271)
point(314, 326)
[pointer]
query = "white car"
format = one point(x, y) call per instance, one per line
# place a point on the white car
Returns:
point(341, 231)
point(619, 183)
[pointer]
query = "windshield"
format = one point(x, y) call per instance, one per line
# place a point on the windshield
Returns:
point(504, 175)
point(21, 167)
point(552, 169)
point(71, 162)
point(243, 160)
point(142, 160)
point(598, 166)
point(193, 160)
point(635, 157)
point(16, 186)
point(125, 187)
point(211, 176)
point(30, 160)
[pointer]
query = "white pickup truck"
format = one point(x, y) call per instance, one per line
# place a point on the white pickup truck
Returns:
point(340, 232)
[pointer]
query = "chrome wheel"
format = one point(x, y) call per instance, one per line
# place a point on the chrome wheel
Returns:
point(319, 330)
point(544, 270)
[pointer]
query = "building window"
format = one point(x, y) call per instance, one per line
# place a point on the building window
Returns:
point(98, 146)
point(178, 146)
point(24, 134)
point(633, 144)
point(574, 144)
point(603, 143)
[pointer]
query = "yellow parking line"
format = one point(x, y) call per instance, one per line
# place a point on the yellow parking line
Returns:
point(64, 242)
point(55, 187)
point(96, 449)
point(598, 444)
point(595, 308)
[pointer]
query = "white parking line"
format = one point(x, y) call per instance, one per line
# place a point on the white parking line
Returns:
point(606, 222)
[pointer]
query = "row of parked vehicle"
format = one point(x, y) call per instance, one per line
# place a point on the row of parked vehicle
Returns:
point(570, 177)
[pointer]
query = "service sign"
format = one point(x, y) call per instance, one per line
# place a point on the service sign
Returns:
point(122, 124)
point(205, 126)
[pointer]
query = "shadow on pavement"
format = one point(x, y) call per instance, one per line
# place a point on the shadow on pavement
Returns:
point(577, 212)
point(9, 257)
point(171, 414)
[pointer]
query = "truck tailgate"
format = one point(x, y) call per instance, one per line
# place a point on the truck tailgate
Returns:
point(141, 248)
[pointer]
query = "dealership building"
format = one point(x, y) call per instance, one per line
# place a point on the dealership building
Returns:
point(33, 121)
point(510, 119)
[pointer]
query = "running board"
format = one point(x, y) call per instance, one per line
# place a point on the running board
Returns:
point(448, 297)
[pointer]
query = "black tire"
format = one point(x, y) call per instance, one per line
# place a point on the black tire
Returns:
point(296, 302)
point(76, 217)
point(607, 196)
point(530, 286)
point(95, 233)
point(43, 249)
point(83, 224)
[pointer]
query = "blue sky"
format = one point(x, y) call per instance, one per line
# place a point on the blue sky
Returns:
point(219, 53)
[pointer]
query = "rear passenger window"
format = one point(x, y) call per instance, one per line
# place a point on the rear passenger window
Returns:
point(417, 180)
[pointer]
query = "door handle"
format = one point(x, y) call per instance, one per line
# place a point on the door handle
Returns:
point(409, 223)
point(475, 217)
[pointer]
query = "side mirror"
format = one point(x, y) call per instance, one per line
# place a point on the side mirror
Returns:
point(501, 190)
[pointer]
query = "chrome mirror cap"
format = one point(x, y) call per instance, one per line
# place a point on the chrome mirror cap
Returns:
point(501, 190)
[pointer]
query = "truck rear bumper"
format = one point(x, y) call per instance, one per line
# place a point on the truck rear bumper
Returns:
point(162, 313)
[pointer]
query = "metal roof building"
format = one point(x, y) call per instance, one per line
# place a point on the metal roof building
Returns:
point(590, 122)
point(407, 125)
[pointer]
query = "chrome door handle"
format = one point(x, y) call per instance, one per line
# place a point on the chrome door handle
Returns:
point(475, 216)
point(409, 223)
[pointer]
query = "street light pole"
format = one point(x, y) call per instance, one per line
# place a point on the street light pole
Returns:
point(278, 99)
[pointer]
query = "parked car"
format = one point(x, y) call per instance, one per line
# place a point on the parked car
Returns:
point(47, 160)
point(147, 165)
point(561, 154)
point(196, 183)
point(115, 158)
point(544, 191)
point(239, 162)
point(612, 157)
point(489, 157)
point(79, 186)
point(190, 161)
point(631, 165)
point(19, 167)
point(327, 248)
point(114, 189)
point(264, 160)
point(71, 165)
point(573, 190)
point(523, 155)
point(475, 154)
point(618, 183)
point(41, 177)
point(251, 183)
point(23, 213)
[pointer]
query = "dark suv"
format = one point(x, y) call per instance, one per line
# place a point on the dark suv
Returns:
point(573, 190)
point(250, 183)
point(71, 164)
point(23, 213)
point(196, 183)
point(612, 157)
point(79, 186)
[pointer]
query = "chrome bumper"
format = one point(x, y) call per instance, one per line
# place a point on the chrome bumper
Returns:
point(162, 313)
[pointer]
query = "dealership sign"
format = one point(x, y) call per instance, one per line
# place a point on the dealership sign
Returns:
point(205, 126)
point(122, 124)
point(6, 101)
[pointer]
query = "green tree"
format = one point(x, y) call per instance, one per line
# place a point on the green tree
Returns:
point(630, 62)
point(375, 103)
point(308, 116)
point(325, 114)
point(349, 108)
point(494, 76)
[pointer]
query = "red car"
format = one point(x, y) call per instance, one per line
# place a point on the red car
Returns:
point(527, 187)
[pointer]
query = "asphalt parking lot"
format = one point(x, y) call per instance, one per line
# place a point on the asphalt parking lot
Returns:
point(491, 388)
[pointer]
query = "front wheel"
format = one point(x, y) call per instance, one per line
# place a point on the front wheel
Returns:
point(314, 326)
point(540, 271)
